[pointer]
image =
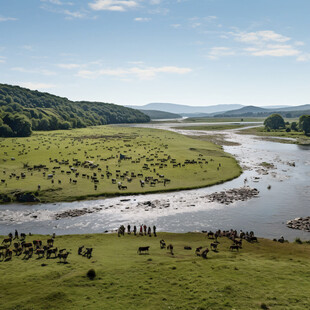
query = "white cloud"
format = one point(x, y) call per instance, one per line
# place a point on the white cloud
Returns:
point(2, 59)
point(260, 37)
point(6, 19)
point(142, 73)
point(33, 71)
point(37, 86)
point(275, 50)
point(220, 51)
point(303, 57)
point(176, 26)
point(27, 47)
point(75, 14)
point(57, 2)
point(113, 5)
point(260, 43)
point(142, 19)
point(69, 66)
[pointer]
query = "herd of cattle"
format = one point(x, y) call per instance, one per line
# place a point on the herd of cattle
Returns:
point(22, 247)
point(203, 251)
point(68, 162)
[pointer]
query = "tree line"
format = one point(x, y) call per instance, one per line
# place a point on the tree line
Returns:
point(276, 121)
point(23, 110)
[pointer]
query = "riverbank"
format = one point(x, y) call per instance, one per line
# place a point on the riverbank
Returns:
point(281, 136)
point(263, 275)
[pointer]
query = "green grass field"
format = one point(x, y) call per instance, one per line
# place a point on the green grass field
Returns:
point(263, 275)
point(299, 137)
point(72, 160)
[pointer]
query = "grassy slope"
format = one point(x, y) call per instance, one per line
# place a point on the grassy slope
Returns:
point(260, 131)
point(102, 142)
point(267, 272)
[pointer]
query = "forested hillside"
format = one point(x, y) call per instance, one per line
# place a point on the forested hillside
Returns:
point(23, 110)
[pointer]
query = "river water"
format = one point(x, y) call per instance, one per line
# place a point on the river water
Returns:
point(288, 197)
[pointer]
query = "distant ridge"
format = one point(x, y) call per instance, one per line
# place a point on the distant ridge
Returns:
point(263, 112)
point(185, 109)
point(154, 114)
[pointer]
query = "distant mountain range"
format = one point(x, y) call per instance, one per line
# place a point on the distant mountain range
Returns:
point(204, 111)
point(262, 112)
point(185, 109)
point(154, 114)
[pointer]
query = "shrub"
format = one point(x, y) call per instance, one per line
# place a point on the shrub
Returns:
point(297, 240)
point(91, 274)
point(288, 129)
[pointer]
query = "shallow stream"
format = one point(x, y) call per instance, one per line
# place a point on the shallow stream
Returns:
point(287, 198)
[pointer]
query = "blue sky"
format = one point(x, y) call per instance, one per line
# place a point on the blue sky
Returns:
point(133, 52)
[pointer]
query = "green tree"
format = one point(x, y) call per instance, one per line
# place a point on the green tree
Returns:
point(294, 126)
point(304, 124)
point(274, 121)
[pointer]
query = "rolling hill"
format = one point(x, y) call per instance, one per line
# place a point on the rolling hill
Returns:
point(23, 110)
point(154, 114)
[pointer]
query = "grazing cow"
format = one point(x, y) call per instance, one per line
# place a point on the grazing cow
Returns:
point(28, 253)
point(50, 242)
point(187, 247)
point(238, 242)
point(63, 256)
point(88, 252)
point(37, 243)
point(8, 254)
point(213, 246)
point(26, 244)
point(234, 247)
point(197, 251)
point(7, 240)
point(205, 253)
point(170, 248)
point(210, 235)
point(22, 236)
point(49, 252)
point(162, 244)
point(80, 249)
point(142, 249)
point(40, 253)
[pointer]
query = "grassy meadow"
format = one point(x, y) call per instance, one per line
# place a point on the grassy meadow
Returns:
point(85, 163)
point(300, 137)
point(263, 275)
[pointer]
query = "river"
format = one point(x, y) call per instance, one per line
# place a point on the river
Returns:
point(284, 195)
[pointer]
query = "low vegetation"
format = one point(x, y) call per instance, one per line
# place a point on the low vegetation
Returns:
point(107, 161)
point(261, 275)
point(23, 110)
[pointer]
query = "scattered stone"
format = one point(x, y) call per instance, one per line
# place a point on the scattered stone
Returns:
point(232, 195)
point(76, 212)
point(301, 223)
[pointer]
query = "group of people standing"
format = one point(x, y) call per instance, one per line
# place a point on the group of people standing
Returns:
point(143, 230)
